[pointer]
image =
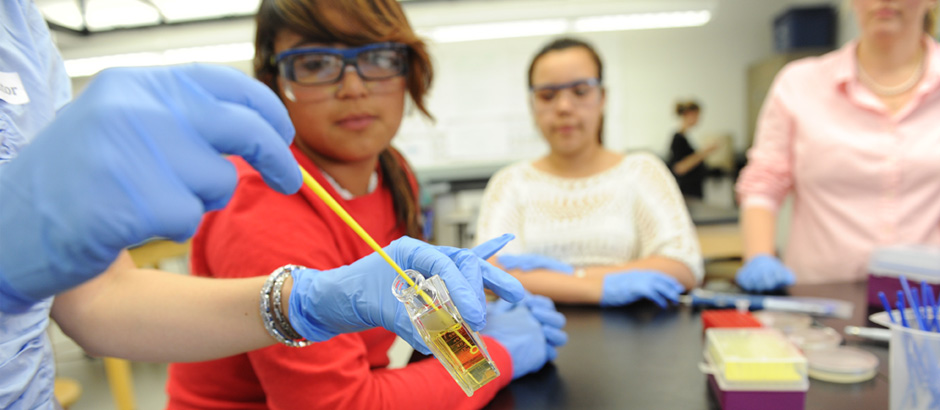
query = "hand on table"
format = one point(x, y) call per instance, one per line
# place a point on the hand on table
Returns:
point(764, 273)
point(625, 288)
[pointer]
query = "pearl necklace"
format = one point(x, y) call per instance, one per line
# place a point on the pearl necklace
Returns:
point(893, 90)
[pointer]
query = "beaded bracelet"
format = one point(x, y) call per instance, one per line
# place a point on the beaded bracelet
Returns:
point(283, 334)
point(282, 321)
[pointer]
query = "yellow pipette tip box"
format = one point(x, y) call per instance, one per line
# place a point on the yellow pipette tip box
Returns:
point(755, 356)
point(755, 368)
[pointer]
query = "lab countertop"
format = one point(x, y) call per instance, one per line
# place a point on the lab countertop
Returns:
point(703, 213)
point(641, 357)
point(477, 170)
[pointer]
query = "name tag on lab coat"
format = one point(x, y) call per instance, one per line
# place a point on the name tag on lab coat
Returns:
point(11, 89)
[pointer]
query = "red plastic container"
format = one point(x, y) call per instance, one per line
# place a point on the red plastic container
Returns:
point(728, 318)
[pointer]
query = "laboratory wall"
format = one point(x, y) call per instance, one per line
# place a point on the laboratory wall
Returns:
point(479, 96)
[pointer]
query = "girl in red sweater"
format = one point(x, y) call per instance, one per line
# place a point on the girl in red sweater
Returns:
point(342, 69)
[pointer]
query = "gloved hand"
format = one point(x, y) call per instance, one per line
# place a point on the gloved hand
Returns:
point(531, 261)
point(530, 331)
point(359, 296)
point(764, 273)
point(475, 259)
point(624, 288)
point(135, 156)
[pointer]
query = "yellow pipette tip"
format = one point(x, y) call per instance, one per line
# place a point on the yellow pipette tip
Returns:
point(312, 183)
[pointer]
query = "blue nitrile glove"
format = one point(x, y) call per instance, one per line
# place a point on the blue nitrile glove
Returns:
point(763, 273)
point(474, 260)
point(359, 296)
point(136, 156)
point(625, 288)
point(552, 322)
point(531, 261)
point(530, 331)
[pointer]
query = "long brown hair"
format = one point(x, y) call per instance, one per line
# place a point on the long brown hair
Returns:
point(376, 21)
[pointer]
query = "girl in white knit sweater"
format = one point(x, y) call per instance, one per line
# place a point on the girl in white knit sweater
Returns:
point(592, 225)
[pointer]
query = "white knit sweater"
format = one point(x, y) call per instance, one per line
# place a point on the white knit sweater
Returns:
point(629, 212)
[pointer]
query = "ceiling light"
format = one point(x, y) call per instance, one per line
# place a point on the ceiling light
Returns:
point(102, 15)
point(64, 14)
point(439, 34)
point(83, 67)
point(184, 10)
point(640, 21)
point(225, 53)
point(489, 31)
point(548, 27)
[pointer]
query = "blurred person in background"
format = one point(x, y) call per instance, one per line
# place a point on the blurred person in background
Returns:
point(592, 225)
point(687, 164)
point(853, 136)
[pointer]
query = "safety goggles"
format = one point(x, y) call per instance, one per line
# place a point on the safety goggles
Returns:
point(321, 65)
point(583, 92)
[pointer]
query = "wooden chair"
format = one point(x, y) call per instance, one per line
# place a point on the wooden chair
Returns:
point(722, 249)
point(67, 391)
point(151, 253)
point(121, 382)
point(118, 371)
point(722, 241)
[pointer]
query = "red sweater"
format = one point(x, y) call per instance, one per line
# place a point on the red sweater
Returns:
point(261, 230)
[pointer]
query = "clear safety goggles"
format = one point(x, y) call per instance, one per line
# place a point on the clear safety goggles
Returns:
point(582, 92)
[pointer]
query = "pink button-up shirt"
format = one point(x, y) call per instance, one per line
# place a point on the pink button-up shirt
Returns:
point(861, 176)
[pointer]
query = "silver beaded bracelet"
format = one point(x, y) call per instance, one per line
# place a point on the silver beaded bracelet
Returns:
point(282, 322)
point(276, 322)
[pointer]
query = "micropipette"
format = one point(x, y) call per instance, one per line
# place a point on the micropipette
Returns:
point(315, 186)
point(435, 317)
point(810, 305)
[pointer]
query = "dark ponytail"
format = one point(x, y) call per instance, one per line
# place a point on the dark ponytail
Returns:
point(683, 107)
point(404, 196)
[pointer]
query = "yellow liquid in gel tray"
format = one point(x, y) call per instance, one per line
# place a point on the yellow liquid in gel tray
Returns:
point(453, 345)
point(458, 348)
point(757, 357)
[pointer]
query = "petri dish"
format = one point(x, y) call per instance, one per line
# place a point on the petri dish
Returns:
point(785, 321)
point(841, 364)
point(813, 338)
